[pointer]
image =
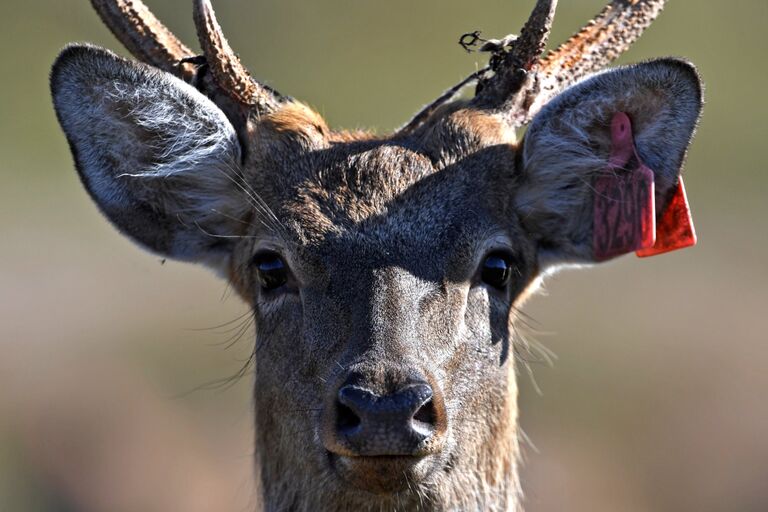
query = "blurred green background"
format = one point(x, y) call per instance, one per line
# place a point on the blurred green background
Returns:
point(657, 400)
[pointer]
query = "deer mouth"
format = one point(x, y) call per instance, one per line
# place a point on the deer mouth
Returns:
point(383, 474)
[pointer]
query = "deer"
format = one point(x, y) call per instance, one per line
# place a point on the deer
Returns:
point(385, 273)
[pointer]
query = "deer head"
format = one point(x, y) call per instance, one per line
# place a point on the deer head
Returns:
point(384, 272)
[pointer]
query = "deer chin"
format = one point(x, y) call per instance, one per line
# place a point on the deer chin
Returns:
point(384, 474)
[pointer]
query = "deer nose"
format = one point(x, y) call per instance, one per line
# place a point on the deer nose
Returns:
point(371, 424)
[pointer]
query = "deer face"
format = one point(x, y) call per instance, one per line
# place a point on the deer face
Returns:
point(382, 303)
point(384, 272)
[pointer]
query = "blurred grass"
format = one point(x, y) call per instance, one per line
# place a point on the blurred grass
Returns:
point(657, 399)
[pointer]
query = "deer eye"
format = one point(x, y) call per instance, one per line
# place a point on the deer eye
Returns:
point(271, 271)
point(497, 270)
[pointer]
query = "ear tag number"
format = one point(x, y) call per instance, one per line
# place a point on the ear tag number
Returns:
point(624, 205)
point(675, 229)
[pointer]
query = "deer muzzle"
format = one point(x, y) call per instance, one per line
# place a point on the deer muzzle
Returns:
point(379, 437)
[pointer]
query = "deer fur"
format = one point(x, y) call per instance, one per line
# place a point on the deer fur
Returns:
point(383, 238)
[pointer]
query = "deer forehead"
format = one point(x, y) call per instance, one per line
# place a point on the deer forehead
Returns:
point(388, 193)
point(355, 207)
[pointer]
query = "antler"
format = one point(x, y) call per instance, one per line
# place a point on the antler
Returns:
point(521, 86)
point(594, 47)
point(511, 67)
point(134, 25)
point(151, 42)
point(228, 72)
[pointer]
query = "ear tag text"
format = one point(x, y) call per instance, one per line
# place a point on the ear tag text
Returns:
point(624, 198)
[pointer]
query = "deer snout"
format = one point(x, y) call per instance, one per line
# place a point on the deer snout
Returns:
point(395, 424)
point(369, 422)
point(384, 429)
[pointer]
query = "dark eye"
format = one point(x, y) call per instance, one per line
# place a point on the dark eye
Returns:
point(272, 271)
point(497, 270)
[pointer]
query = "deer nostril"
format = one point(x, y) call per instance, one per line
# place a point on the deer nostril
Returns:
point(425, 418)
point(426, 413)
point(346, 419)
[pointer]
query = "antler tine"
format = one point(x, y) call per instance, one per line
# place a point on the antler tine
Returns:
point(511, 67)
point(134, 25)
point(534, 36)
point(594, 47)
point(603, 39)
point(228, 72)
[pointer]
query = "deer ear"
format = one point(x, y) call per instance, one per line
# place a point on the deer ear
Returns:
point(159, 159)
point(569, 143)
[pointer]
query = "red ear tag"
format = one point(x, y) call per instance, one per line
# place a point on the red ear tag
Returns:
point(624, 205)
point(675, 229)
